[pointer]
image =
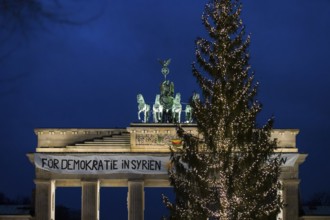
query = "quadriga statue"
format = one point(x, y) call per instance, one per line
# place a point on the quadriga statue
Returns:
point(143, 107)
point(157, 110)
point(189, 117)
point(188, 114)
point(177, 108)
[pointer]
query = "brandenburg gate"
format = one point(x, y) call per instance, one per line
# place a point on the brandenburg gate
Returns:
point(135, 157)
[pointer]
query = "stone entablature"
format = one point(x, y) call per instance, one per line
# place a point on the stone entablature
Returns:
point(62, 137)
point(136, 138)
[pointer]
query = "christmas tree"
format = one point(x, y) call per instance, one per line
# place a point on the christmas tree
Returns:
point(229, 171)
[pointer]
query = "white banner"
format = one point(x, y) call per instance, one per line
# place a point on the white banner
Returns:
point(288, 160)
point(109, 164)
point(102, 164)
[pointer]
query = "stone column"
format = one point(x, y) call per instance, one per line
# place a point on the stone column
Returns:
point(291, 199)
point(45, 200)
point(90, 200)
point(135, 200)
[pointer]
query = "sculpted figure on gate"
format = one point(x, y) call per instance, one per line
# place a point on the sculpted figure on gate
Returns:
point(166, 108)
point(143, 107)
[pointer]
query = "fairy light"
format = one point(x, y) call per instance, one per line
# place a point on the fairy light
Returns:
point(225, 175)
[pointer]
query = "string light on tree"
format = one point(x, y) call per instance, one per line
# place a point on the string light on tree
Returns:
point(225, 173)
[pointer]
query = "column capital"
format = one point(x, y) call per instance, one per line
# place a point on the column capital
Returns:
point(90, 181)
point(42, 181)
point(290, 181)
point(135, 180)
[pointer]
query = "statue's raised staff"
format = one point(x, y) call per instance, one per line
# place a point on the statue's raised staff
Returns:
point(166, 93)
point(165, 70)
point(143, 107)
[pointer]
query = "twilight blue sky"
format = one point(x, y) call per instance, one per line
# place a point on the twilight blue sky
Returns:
point(87, 75)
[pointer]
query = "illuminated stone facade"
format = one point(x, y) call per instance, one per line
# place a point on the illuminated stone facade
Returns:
point(138, 139)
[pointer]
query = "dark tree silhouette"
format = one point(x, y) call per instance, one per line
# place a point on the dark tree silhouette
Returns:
point(319, 199)
point(21, 18)
point(20, 200)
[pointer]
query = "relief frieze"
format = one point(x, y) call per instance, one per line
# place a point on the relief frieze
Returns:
point(154, 139)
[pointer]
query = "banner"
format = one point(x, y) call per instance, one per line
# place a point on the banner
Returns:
point(102, 164)
point(288, 160)
point(110, 164)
